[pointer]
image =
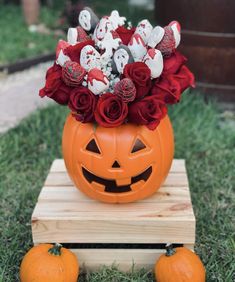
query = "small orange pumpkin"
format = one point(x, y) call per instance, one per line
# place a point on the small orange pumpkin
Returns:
point(48, 263)
point(179, 265)
point(117, 165)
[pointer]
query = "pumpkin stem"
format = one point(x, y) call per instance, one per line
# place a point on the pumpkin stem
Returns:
point(55, 250)
point(169, 250)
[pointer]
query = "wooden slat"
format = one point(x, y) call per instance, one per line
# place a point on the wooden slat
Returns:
point(90, 259)
point(138, 230)
point(99, 209)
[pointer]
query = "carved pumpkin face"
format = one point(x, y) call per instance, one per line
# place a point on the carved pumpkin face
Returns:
point(117, 165)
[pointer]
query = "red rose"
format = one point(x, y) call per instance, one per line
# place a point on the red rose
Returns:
point(125, 89)
point(73, 73)
point(82, 103)
point(167, 89)
point(55, 87)
point(140, 74)
point(111, 111)
point(125, 34)
point(173, 63)
point(148, 111)
point(73, 51)
point(185, 78)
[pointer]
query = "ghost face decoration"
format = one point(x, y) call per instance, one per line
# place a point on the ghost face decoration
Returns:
point(121, 57)
point(154, 60)
point(89, 57)
point(97, 81)
point(156, 36)
point(137, 47)
point(103, 27)
point(88, 19)
point(144, 29)
point(85, 20)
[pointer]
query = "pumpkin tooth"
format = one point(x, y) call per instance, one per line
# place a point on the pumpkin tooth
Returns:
point(137, 186)
point(123, 181)
point(98, 186)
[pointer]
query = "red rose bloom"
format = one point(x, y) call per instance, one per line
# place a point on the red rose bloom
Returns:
point(125, 34)
point(167, 89)
point(125, 89)
point(149, 111)
point(74, 51)
point(55, 87)
point(82, 103)
point(111, 111)
point(173, 63)
point(185, 78)
point(140, 74)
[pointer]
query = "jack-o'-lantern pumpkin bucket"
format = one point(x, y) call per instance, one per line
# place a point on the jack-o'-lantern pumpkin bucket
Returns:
point(117, 165)
point(118, 81)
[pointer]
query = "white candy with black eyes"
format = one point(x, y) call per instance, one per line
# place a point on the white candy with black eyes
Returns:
point(103, 27)
point(88, 19)
point(89, 58)
point(121, 57)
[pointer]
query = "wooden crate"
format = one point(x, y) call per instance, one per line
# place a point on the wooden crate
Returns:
point(124, 234)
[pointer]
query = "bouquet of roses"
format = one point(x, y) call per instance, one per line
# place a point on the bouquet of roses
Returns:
point(112, 73)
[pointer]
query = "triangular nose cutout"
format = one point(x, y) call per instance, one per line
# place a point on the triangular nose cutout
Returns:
point(116, 165)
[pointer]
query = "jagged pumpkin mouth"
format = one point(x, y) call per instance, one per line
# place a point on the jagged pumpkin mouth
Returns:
point(111, 185)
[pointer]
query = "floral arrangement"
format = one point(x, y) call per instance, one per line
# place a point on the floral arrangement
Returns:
point(112, 73)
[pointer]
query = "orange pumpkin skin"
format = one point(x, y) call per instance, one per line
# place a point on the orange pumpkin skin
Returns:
point(183, 266)
point(38, 265)
point(116, 174)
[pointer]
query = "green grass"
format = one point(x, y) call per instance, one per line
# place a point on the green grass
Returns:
point(16, 40)
point(202, 138)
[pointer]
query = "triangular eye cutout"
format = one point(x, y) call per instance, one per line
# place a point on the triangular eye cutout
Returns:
point(139, 145)
point(92, 147)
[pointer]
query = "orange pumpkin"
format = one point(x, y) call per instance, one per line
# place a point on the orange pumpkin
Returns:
point(117, 165)
point(179, 265)
point(48, 263)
